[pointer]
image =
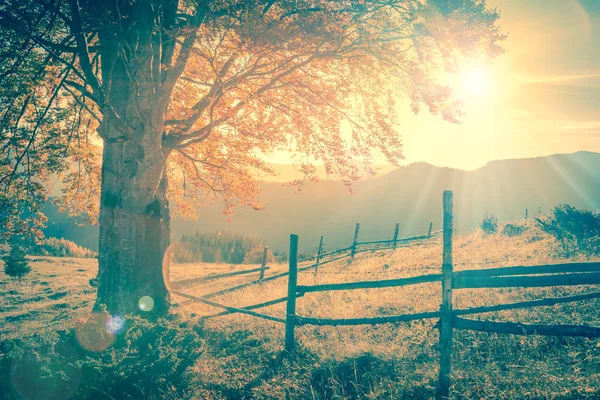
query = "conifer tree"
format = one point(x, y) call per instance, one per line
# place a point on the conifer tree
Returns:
point(16, 264)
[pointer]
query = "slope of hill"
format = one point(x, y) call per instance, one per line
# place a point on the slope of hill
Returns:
point(242, 355)
point(410, 195)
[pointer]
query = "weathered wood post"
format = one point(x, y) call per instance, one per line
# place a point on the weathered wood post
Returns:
point(320, 250)
point(446, 308)
point(319, 255)
point(430, 228)
point(396, 231)
point(355, 240)
point(290, 315)
point(263, 264)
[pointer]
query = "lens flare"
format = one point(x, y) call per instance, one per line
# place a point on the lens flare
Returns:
point(146, 303)
point(93, 334)
point(115, 324)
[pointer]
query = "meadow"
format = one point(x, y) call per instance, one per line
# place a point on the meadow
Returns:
point(241, 356)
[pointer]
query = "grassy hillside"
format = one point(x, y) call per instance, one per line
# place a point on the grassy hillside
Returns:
point(242, 355)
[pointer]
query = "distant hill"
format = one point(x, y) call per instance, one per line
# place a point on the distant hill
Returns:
point(410, 195)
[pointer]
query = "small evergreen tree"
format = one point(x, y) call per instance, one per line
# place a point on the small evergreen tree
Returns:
point(489, 225)
point(16, 264)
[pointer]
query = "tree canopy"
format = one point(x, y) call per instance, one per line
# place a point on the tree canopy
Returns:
point(230, 81)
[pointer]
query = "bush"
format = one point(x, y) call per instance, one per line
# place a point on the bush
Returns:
point(16, 264)
point(489, 224)
point(148, 360)
point(255, 256)
point(577, 231)
point(61, 248)
point(512, 230)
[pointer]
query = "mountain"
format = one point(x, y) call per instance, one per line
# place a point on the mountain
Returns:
point(412, 196)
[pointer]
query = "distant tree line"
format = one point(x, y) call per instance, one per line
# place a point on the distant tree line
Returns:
point(222, 247)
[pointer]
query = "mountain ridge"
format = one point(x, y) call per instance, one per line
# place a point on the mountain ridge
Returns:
point(410, 195)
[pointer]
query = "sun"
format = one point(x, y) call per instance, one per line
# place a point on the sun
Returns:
point(474, 82)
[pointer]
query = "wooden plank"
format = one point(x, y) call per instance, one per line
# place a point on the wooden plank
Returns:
point(371, 284)
point(530, 270)
point(267, 279)
point(290, 314)
point(590, 278)
point(366, 321)
point(355, 240)
point(320, 249)
point(251, 307)
point(328, 254)
point(526, 329)
point(528, 304)
point(375, 242)
point(263, 266)
point(229, 308)
point(443, 391)
point(215, 276)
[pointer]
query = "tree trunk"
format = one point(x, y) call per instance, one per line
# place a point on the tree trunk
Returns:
point(134, 234)
point(134, 209)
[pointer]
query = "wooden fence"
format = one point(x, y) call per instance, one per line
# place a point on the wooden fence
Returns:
point(320, 258)
point(587, 273)
point(449, 319)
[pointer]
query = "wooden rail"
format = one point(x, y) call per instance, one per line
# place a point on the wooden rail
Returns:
point(228, 308)
point(589, 278)
point(206, 278)
point(526, 329)
point(529, 270)
point(371, 284)
point(366, 321)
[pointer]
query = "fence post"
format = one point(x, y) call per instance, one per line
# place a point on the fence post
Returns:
point(396, 231)
point(319, 255)
point(446, 308)
point(320, 250)
point(290, 315)
point(430, 228)
point(355, 240)
point(526, 213)
point(263, 264)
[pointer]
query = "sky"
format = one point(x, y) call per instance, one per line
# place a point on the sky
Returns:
point(541, 97)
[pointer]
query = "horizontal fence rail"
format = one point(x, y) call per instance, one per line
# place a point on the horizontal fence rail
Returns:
point(590, 278)
point(206, 278)
point(525, 329)
point(530, 270)
point(300, 320)
point(371, 284)
point(228, 308)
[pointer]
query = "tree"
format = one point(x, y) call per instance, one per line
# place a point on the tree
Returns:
point(183, 98)
point(16, 264)
point(489, 224)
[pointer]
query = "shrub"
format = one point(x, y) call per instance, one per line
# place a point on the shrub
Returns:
point(61, 248)
point(577, 231)
point(489, 224)
point(255, 256)
point(512, 230)
point(16, 264)
point(146, 361)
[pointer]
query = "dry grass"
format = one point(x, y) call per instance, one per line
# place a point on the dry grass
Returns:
point(243, 358)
